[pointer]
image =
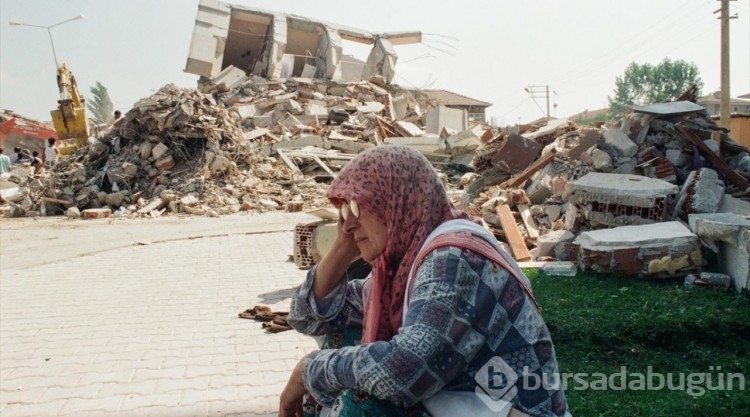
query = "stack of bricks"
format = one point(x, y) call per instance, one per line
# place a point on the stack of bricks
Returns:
point(483, 160)
point(303, 245)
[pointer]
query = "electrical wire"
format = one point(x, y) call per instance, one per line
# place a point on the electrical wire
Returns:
point(604, 60)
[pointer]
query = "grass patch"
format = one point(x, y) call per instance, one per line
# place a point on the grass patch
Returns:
point(602, 323)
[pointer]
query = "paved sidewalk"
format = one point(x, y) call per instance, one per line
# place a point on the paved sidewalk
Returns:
point(139, 317)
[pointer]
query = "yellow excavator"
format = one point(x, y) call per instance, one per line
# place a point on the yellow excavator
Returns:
point(69, 118)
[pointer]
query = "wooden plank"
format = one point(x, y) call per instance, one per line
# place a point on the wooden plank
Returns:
point(515, 240)
point(540, 163)
point(711, 156)
point(528, 220)
point(324, 166)
point(65, 203)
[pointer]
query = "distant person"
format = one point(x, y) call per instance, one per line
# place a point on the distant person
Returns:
point(16, 159)
point(37, 164)
point(115, 128)
point(117, 121)
point(4, 162)
point(23, 156)
point(51, 153)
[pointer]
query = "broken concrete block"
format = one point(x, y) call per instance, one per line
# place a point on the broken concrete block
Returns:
point(429, 144)
point(559, 186)
point(407, 129)
point(571, 216)
point(731, 204)
point(26, 204)
point(73, 212)
point(371, 107)
point(14, 194)
point(311, 140)
point(620, 142)
point(145, 149)
point(658, 250)
point(444, 117)
point(97, 213)
point(262, 121)
point(246, 110)
point(621, 199)
point(115, 199)
point(602, 160)
point(463, 143)
point(198, 211)
point(14, 211)
point(545, 244)
point(269, 203)
point(707, 190)
point(553, 212)
point(130, 170)
point(733, 232)
point(589, 139)
point(189, 200)
point(540, 188)
point(165, 163)
point(316, 108)
point(155, 204)
point(231, 77)
point(515, 154)
point(219, 164)
point(158, 151)
point(256, 133)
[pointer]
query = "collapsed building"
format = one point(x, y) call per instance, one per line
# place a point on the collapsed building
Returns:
point(276, 45)
point(661, 193)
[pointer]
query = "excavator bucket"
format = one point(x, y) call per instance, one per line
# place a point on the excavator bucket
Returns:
point(75, 127)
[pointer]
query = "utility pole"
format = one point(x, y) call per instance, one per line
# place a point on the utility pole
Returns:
point(725, 115)
point(535, 91)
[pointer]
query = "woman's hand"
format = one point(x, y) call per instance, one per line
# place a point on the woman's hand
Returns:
point(332, 268)
point(290, 402)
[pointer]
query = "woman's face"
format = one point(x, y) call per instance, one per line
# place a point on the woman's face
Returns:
point(369, 233)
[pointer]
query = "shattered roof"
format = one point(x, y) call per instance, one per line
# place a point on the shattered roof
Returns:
point(449, 98)
point(675, 107)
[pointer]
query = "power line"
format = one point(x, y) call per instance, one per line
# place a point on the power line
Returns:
point(604, 60)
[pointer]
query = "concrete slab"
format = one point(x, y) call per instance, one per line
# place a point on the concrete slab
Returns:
point(656, 250)
point(622, 199)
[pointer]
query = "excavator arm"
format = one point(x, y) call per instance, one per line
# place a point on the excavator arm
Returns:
point(70, 118)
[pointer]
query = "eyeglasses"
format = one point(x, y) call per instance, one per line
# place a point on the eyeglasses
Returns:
point(347, 207)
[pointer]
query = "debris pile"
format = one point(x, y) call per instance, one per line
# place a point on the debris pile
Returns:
point(246, 143)
point(619, 199)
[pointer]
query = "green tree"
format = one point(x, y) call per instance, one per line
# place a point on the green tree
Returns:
point(643, 84)
point(100, 105)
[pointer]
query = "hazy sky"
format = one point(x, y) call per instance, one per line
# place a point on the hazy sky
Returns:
point(489, 50)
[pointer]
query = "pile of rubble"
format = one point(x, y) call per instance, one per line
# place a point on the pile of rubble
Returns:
point(648, 197)
point(246, 143)
point(235, 144)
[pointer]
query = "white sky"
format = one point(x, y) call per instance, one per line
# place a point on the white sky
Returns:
point(485, 49)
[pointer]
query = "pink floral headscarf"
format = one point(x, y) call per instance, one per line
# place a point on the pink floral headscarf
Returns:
point(401, 188)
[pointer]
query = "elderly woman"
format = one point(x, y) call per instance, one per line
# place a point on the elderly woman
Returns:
point(448, 321)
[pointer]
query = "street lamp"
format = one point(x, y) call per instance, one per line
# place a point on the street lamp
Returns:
point(49, 32)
